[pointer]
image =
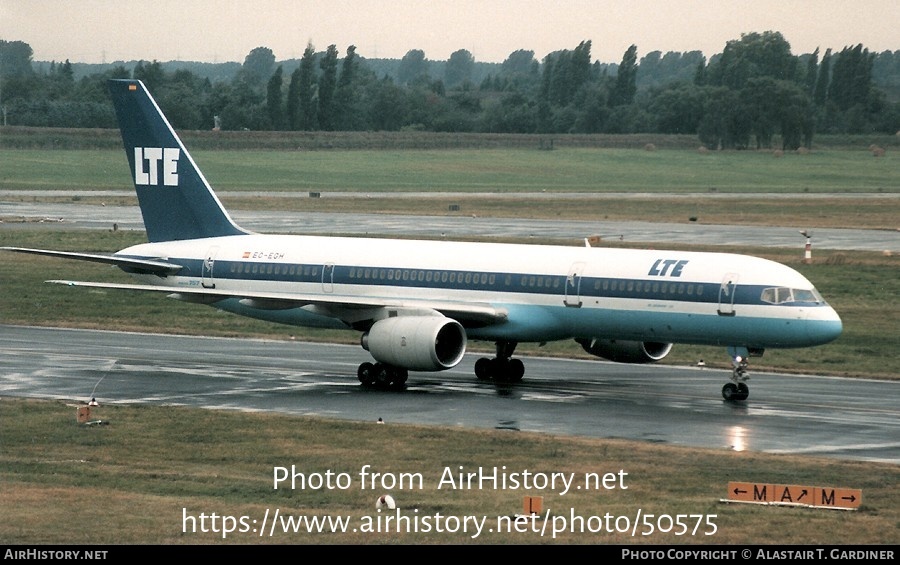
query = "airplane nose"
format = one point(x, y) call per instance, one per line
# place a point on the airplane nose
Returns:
point(825, 325)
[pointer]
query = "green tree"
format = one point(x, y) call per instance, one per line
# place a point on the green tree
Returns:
point(274, 99)
point(823, 79)
point(558, 67)
point(760, 98)
point(151, 74)
point(794, 115)
point(626, 79)
point(413, 67)
point(459, 68)
point(60, 82)
point(701, 77)
point(246, 107)
point(544, 105)
point(292, 101)
point(754, 55)
point(183, 96)
point(520, 62)
point(677, 108)
point(258, 66)
point(184, 106)
point(302, 93)
point(595, 114)
point(851, 77)
point(15, 59)
point(812, 72)
point(725, 124)
point(388, 109)
point(520, 72)
point(565, 72)
point(514, 113)
point(327, 86)
point(580, 70)
point(346, 115)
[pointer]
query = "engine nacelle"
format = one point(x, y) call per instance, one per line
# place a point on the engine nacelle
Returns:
point(417, 343)
point(626, 351)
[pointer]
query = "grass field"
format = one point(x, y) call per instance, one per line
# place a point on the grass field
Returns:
point(135, 480)
point(481, 170)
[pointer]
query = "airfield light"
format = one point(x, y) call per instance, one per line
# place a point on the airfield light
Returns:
point(807, 253)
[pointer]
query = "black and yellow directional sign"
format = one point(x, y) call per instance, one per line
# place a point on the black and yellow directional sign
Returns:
point(795, 495)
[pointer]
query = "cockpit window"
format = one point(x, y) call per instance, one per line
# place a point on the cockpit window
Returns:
point(784, 295)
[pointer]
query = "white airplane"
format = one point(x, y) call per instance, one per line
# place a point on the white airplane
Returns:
point(417, 303)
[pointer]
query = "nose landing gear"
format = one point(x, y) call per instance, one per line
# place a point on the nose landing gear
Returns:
point(737, 389)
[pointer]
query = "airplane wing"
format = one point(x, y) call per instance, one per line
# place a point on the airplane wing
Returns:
point(338, 306)
point(141, 265)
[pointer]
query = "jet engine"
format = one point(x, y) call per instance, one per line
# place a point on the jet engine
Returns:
point(417, 343)
point(626, 351)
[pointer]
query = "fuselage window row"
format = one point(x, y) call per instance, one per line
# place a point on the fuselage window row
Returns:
point(486, 281)
point(489, 281)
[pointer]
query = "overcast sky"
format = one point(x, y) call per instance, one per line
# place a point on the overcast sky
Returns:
point(95, 31)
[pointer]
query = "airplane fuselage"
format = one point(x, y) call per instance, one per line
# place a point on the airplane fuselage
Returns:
point(545, 292)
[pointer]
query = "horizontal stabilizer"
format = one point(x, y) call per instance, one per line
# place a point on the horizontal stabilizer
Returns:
point(143, 265)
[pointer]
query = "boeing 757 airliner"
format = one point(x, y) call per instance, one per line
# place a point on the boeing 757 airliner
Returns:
point(416, 304)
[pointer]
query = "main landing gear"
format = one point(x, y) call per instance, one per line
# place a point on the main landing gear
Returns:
point(737, 389)
point(502, 368)
point(380, 375)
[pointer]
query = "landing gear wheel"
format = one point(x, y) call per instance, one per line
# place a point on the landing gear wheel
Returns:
point(516, 370)
point(502, 368)
point(398, 379)
point(382, 376)
point(366, 374)
point(730, 391)
point(483, 369)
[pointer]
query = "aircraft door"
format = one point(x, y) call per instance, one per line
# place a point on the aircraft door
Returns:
point(207, 279)
point(726, 294)
point(573, 286)
point(328, 277)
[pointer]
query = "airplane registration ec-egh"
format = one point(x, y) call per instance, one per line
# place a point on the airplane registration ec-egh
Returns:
point(417, 303)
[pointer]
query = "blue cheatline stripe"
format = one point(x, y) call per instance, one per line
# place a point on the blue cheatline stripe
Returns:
point(482, 281)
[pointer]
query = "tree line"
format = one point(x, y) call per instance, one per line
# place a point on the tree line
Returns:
point(755, 94)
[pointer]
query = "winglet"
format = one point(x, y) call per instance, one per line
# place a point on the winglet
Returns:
point(176, 200)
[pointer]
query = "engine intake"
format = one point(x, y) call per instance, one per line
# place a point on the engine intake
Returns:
point(417, 343)
point(626, 351)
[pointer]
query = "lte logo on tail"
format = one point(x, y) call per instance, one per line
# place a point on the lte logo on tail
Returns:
point(147, 163)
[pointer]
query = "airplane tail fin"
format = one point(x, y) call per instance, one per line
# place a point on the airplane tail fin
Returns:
point(176, 200)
